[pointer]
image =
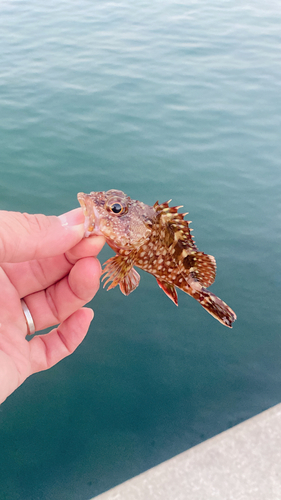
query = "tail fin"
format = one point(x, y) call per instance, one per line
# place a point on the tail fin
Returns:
point(215, 306)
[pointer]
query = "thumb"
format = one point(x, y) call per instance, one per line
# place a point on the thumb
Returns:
point(26, 237)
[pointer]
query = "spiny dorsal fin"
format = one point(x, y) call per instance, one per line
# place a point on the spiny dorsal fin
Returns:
point(178, 232)
point(180, 241)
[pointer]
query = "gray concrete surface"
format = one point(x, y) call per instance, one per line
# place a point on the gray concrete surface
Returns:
point(242, 463)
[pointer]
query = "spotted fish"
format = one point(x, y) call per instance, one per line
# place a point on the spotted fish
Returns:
point(156, 239)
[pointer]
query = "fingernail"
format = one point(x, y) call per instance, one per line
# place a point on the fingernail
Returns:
point(73, 218)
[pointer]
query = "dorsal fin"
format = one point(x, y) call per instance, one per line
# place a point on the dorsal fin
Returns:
point(182, 246)
point(202, 267)
point(178, 232)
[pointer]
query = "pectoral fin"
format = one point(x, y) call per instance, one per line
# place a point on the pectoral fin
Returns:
point(120, 271)
point(169, 290)
point(115, 270)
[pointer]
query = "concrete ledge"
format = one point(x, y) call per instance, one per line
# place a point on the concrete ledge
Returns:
point(242, 463)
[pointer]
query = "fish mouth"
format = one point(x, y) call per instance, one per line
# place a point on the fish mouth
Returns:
point(88, 208)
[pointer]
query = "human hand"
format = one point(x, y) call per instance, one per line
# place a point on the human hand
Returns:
point(46, 261)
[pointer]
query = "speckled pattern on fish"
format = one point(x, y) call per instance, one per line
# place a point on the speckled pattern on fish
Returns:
point(156, 239)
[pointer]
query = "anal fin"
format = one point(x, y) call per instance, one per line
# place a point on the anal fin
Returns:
point(169, 290)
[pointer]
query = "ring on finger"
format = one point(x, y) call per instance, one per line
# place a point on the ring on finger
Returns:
point(28, 318)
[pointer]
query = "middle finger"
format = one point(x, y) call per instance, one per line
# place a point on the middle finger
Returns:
point(35, 275)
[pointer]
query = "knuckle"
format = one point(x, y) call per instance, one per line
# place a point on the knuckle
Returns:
point(36, 222)
point(52, 305)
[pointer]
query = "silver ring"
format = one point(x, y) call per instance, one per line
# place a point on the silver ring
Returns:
point(28, 318)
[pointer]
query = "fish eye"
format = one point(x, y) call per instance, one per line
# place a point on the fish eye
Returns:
point(116, 208)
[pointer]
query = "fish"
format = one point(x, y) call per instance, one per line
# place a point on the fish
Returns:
point(156, 239)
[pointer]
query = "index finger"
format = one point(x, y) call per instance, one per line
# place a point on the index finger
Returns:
point(27, 237)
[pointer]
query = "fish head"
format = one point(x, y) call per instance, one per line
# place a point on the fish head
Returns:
point(125, 223)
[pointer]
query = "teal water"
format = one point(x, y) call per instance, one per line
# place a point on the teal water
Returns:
point(163, 100)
